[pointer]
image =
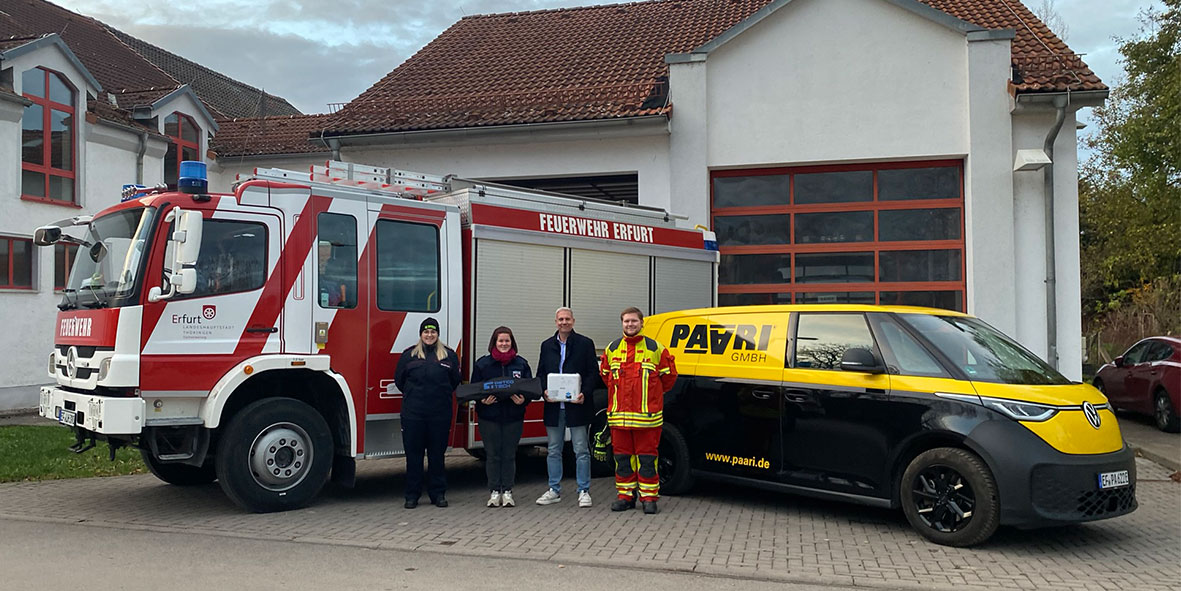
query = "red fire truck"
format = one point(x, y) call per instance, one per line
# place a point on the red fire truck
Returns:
point(252, 337)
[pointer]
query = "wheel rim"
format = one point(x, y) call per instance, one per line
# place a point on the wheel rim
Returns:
point(943, 499)
point(1163, 411)
point(280, 456)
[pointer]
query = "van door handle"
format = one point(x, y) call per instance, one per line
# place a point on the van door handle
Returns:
point(762, 393)
point(267, 329)
point(796, 397)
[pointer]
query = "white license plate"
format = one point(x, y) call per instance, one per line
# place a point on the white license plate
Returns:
point(1113, 479)
point(67, 417)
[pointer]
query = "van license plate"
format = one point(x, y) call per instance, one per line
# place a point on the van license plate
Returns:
point(1113, 479)
point(66, 417)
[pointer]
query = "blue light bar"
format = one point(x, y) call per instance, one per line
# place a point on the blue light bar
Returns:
point(193, 177)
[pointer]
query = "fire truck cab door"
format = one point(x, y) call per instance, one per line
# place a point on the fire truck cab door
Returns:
point(234, 313)
point(407, 267)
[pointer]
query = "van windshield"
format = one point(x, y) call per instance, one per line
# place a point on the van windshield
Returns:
point(983, 352)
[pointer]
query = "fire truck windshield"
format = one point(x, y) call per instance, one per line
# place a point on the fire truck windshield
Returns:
point(110, 276)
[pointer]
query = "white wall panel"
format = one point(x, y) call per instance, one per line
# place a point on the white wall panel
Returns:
point(518, 286)
point(598, 293)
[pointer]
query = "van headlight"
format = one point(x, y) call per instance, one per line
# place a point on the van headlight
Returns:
point(1020, 411)
point(104, 368)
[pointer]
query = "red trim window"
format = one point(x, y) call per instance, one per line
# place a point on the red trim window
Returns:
point(47, 137)
point(16, 263)
point(63, 263)
point(890, 233)
point(185, 144)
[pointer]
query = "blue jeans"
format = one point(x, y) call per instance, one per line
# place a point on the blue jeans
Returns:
point(580, 439)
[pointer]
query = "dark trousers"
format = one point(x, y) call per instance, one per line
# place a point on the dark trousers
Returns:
point(429, 435)
point(500, 450)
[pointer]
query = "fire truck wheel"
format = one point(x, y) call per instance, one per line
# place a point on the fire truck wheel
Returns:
point(274, 455)
point(673, 462)
point(179, 474)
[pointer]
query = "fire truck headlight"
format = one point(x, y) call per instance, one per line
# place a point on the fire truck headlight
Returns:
point(104, 368)
point(53, 364)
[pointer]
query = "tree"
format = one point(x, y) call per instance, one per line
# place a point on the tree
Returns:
point(1130, 189)
point(1047, 12)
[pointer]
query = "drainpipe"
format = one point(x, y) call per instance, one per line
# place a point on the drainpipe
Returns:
point(139, 158)
point(1060, 104)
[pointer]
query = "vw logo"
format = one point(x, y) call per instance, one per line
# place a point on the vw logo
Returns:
point(1092, 414)
point(72, 362)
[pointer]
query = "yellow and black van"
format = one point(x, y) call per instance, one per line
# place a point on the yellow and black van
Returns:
point(928, 410)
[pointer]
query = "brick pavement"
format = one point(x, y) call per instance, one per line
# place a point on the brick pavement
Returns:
point(715, 530)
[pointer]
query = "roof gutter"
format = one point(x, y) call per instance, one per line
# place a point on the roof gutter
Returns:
point(655, 123)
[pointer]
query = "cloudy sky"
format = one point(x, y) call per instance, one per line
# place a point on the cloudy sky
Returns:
point(315, 52)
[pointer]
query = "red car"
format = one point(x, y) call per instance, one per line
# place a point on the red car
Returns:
point(1146, 379)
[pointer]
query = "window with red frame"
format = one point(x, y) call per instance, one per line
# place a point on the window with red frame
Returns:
point(16, 263)
point(185, 144)
point(63, 263)
point(889, 233)
point(47, 137)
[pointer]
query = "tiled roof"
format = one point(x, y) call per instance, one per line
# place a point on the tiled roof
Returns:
point(268, 136)
point(604, 62)
point(224, 96)
point(1043, 62)
point(116, 61)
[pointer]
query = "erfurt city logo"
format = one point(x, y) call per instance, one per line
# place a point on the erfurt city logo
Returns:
point(75, 327)
point(209, 312)
point(744, 342)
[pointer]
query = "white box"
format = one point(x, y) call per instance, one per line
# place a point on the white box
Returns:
point(563, 387)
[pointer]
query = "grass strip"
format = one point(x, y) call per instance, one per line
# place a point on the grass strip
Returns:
point(38, 452)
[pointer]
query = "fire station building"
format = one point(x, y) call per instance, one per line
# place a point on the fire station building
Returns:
point(846, 151)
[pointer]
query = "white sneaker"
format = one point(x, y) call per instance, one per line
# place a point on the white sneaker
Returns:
point(549, 497)
point(506, 499)
point(584, 499)
point(494, 500)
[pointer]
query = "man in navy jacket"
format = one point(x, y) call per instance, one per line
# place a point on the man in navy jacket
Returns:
point(568, 352)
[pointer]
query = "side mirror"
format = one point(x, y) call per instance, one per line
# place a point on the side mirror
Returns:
point(862, 360)
point(1118, 361)
point(98, 252)
point(187, 237)
point(185, 280)
point(47, 235)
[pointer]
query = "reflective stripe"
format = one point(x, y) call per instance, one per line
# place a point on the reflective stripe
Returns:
point(644, 392)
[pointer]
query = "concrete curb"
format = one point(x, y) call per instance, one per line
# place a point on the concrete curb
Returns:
point(17, 412)
point(1165, 461)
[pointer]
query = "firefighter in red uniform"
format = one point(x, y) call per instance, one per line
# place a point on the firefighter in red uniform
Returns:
point(637, 371)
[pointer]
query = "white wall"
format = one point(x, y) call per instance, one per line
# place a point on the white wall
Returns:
point(646, 155)
point(1029, 131)
point(837, 80)
point(224, 171)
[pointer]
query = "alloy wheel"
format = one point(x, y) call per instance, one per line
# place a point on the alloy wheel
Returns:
point(943, 498)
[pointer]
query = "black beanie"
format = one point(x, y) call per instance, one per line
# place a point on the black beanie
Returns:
point(428, 323)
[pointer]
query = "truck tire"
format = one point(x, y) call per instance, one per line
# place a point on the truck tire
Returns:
point(949, 496)
point(673, 463)
point(275, 455)
point(179, 474)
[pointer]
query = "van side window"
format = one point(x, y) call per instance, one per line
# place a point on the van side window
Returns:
point(407, 266)
point(336, 247)
point(904, 355)
point(233, 258)
point(821, 339)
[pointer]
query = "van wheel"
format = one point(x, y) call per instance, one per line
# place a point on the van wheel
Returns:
point(673, 462)
point(950, 497)
point(179, 474)
point(275, 455)
point(1164, 414)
